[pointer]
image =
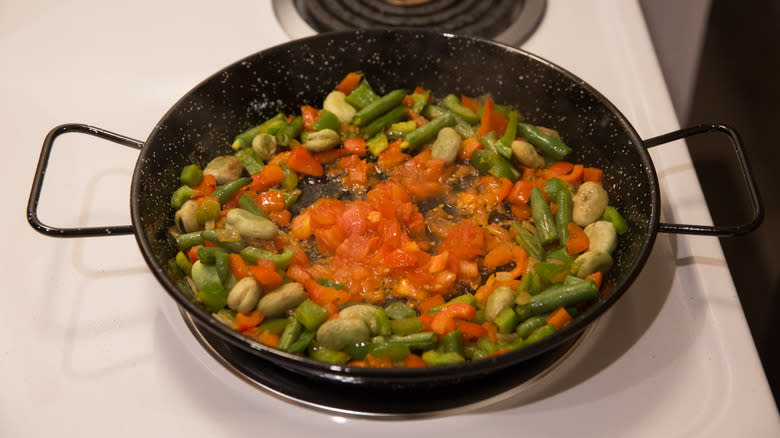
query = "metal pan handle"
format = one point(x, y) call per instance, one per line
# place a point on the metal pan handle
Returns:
point(747, 177)
point(40, 172)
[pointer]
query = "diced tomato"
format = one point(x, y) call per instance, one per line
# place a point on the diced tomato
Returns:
point(356, 146)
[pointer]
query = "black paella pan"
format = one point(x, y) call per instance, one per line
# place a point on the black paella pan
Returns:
point(203, 123)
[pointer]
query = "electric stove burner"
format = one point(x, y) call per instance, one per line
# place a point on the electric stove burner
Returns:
point(506, 21)
point(354, 400)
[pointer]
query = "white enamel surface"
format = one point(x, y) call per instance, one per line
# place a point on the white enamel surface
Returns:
point(90, 345)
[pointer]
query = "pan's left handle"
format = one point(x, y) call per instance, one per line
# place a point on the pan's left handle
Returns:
point(40, 172)
point(747, 177)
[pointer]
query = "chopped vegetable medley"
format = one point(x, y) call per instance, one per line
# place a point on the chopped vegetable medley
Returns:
point(395, 230)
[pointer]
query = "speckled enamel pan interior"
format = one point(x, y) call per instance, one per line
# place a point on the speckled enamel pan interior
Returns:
point(203, 123)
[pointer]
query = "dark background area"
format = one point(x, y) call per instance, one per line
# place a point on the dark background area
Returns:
point(738, 84)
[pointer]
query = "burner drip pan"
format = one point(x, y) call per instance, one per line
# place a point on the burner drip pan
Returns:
point(506, 21)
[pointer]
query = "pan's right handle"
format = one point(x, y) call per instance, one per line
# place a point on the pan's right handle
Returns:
point(747, 176)
point(40, 172)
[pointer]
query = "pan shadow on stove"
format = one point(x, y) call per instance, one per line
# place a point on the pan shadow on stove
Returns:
point(737, 85)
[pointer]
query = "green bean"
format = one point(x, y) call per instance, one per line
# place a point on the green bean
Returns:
point(452, 342)
point(540, 333)
point(380, 123)
point(251, 162)
point(226, 191)
point(275, 326)
point(212, 235)
point(406, 326)
point(291, 332)
point(383, 327)
point(612, 215)
point(208, 254)
point(191, 175)
point(452, 103)
point(399, 310)
point(434, 358)
point(321, 353)
point(300, 344)
point(327, 120)
point(427, 132)
point(418, 341)
point(251, 254)
point(563, 295)
point(362, 95)
point(378, 107)
point(182, 195)
point(529, 325)
point(188, 240)
point(543, 218)
point(563, 215)
point(507, 320)
point(270, 126)
point(386, 349)
point(419, 100)
point(551, 272)
point(529, 241)
point(550, 146)
point(290, 131)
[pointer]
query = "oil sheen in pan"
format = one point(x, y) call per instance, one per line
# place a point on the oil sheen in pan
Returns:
point(354, 400)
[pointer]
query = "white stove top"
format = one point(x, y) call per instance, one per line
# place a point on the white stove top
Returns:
point(90, 344)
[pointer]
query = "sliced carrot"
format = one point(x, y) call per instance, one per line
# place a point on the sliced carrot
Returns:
point(379, 362)
point(470, 103)
point(414, 115)
point(471, 330)
point(207, 186)
point(326, 157)
point(192, 254)
point(577, 241)
point(467, 148)
point(575, 175)
point(268, 338)
point(559, 318)
point(486, 122)
point(270, 176)
point(268, 278)
point(429, 303)
point(245, 321)
point(414, 361)
point(349, 83)
point(560, 168)
point(491, 120)
point(597, 278)
point(592, 174)
point(238, 266)
point(444, 321)
point(521, 212)
point(520, 193)
point(356, 146)
point(498, 256)
point(310, 115)
point(302, 161)
point(492, 330)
